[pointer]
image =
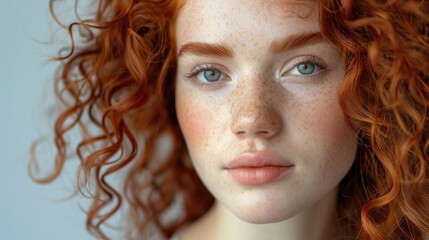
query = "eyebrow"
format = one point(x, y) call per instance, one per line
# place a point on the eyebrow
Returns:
point(295, 41)
point(223, 50)
point(206, 49)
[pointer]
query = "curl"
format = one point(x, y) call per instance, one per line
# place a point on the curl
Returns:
point(116, 89)
point(385, 97)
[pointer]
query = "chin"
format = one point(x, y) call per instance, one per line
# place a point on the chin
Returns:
point(258, 217)
point(261, 219)
point(262, 213)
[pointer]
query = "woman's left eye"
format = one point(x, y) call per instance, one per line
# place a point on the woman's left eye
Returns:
point(305, 68)
point(209, 75)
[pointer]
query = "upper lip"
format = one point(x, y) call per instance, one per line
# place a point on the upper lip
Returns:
point(257, 159)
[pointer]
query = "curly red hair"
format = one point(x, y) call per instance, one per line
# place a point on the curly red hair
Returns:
point(120, 82)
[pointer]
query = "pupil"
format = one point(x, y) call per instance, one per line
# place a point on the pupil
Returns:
point(306, 68)
point(212, 75)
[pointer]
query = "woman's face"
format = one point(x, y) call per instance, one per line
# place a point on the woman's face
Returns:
point(256, 100)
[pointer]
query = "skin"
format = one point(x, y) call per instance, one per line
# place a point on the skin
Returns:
point(262, 103)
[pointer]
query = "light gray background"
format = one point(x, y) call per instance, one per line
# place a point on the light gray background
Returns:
point(28, 210)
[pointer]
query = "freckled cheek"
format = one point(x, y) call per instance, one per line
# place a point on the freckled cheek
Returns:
point(327, 136)
point(195, 119)
point(340, 142)
point(324, 118)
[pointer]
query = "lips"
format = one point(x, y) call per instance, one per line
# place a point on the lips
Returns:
point(255, 168)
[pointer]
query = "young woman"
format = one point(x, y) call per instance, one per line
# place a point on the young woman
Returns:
point(302, 119)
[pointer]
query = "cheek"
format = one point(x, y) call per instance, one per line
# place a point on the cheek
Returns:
point(195, 118)
point(319, 117)
point(332, 143)
point(192, 119)
point(200, 122)
point(326, 121)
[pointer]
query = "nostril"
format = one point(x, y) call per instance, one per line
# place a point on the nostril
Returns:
point(253, 132)
point(261, 120)
point(263, 132)
point(240, 132)
point(254, 127)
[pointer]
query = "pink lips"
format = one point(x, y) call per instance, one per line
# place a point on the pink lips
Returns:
point(256, 168)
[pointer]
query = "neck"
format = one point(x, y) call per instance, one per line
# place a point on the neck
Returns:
point(318, 222)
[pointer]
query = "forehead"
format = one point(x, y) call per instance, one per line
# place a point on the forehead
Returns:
point(217, 20)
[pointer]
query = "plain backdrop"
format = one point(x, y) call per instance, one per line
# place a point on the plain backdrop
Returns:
point(28, 210)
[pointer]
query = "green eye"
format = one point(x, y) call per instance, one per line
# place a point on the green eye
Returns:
point(209, 75)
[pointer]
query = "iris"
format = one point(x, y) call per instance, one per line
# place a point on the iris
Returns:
point(211, 75)
point(306, 68)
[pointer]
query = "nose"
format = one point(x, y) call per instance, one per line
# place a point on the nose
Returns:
point(254, 113)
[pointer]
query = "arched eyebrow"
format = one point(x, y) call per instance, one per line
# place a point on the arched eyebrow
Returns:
point(295, 41)
point(206, 49)
point(223, 50)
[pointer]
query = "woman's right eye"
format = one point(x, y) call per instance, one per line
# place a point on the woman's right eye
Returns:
point(207, 75)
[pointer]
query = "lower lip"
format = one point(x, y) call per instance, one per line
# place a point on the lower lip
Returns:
point(258, 175)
